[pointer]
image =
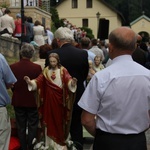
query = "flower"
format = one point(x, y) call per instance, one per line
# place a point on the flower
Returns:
point(39, 145)
point(70, 145)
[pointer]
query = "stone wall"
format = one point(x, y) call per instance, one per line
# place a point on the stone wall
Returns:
point(34, 12)
point(10, 47)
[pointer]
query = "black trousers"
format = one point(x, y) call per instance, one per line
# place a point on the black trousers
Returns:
point(26, 117)
point(108, 141)
point(76, 129)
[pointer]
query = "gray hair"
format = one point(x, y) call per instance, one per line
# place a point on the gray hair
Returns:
point(27, 50)
point(64, 34)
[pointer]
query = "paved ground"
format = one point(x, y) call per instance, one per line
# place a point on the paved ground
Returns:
point(89, 140)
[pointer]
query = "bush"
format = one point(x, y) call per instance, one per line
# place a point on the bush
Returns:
point(88, 31)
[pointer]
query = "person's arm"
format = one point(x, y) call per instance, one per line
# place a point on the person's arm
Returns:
point(31, 83)
point(11, 85)
point(89, 122)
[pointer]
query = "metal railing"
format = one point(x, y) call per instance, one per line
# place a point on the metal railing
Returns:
point(42, 4)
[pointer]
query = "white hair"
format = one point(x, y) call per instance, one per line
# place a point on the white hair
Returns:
point(64, 33)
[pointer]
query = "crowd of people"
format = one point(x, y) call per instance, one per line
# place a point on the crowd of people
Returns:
point(76, 82)
point(32, 31)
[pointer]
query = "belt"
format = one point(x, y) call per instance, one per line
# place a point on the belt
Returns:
point(100, 132)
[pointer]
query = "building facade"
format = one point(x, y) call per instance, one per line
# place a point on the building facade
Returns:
point(84, 13)
point(142, 26)
point(37, 9)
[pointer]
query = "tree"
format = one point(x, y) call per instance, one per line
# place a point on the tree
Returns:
point(53, 3)
point(131, 9)
point(55, 18)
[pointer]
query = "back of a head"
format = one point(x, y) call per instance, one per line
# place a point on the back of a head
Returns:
point(143, 46)
point(64, 34)
point(43, 51)
point(29, 19)
point(18, 15)
point(54, 44)
point(37, 23)
point(123, 38)
point(85, 42)
point(102, 43)
point(27, 50)
point(94, 42)
point(7, 11)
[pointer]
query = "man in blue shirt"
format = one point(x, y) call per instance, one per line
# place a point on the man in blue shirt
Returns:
point(7, 80)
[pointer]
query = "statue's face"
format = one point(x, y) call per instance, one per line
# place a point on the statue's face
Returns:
point(53, 62)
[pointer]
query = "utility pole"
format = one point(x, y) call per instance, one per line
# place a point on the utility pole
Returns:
point(22, 22)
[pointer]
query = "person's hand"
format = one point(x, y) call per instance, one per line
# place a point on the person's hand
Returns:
point(74, 82)
point(27, 79)
point(11, 85)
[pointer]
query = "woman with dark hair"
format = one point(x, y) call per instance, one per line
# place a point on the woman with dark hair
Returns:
point(30, 20)
point(43, 54)
point(39, 32)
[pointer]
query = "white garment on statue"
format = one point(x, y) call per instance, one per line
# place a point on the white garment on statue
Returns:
point(57, 81)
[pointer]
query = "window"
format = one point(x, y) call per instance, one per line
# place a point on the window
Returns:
point(85, 22)
point(88, 3)
point(74, 3)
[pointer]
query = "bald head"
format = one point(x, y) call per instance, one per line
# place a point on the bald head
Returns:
point(123, 39)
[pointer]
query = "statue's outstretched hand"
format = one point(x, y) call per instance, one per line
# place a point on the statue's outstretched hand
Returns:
point(27, 79)
point(74, 82)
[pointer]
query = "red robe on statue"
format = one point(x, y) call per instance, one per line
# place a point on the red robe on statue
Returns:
point(56, 107)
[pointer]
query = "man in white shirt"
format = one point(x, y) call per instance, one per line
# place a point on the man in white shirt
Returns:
point(116, 102)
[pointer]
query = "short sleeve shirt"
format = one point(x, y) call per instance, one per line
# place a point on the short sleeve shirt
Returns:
point(6, 77)
point(119, 96)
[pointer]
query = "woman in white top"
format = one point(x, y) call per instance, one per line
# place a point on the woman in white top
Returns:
point(38, 32)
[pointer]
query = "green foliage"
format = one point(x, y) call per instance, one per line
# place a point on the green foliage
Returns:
point(88, 31)
point(55, 18)
point(11, 111)
point(52, 3)
point(131, 10)
point(4, 5)
point(9, 107)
